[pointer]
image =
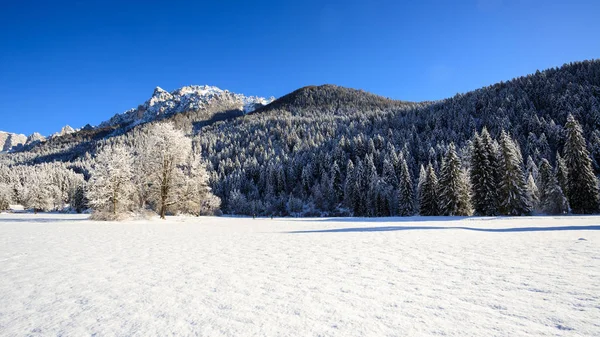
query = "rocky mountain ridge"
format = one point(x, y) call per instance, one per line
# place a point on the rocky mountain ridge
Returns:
point(188, 98)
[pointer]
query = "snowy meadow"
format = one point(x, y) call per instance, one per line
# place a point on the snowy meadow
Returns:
point(419, 276)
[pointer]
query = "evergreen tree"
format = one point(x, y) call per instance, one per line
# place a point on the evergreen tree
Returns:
point(406, 203)
point(422, 177)
point(561, 173)
point(484, 174)
point(359, 206)
point(514, 196)
point(582, 185)
point(532, 169)
point(372, 184)
point(428, 198)
point(79, 202)
point(533, 191)
point(552, 198)
point(337, 187)
point(389, 174)
point(349, 185)
point(452, 190)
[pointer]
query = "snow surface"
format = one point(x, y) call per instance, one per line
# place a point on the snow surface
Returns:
point(66, 275)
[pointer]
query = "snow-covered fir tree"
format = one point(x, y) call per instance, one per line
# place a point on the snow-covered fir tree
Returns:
point(349, 185)
point(428, 197)
point(552, 198)
point(422, 177)
point(484, 174)
point(561, 173)
point(582, 184)
point(514, 198)
point(337, 185)
point(533, 191)
point(406, 202)
point(453, 194)
point(78, 201)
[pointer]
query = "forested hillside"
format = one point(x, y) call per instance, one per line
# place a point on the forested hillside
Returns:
point(295, 152)
point(328, 150)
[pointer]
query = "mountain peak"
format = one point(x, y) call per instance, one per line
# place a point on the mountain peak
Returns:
point(158, 91)
point(187, 98)
point(64, 131)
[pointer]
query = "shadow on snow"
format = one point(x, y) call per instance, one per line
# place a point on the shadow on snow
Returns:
point(491, 230)
point(41, 220)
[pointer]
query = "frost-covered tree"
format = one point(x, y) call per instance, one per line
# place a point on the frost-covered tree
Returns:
point(552, 198)
point(533, 191)
point(428, 198)
point(349, 185)
point(371, 181)
point(453, 194)
point(561, 173)
point(582, 184)
point(337, 186)
point(78, 200)
point(110, 188)
point(484, 174)
point(514, 198)
point(167, 151)
point(422, 177)
point(406, 202)
point(5, 196)
point(39, 196)
point(532, 169)
point(389, 173)
point(196, 196)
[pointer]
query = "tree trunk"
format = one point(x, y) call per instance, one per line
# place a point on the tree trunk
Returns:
point(114, 203)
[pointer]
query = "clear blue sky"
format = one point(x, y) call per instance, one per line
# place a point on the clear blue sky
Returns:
point(83, 61)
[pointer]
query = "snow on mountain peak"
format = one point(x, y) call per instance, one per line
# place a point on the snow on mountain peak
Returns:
point(187, 98)
point(10, 140)
point(64, 131)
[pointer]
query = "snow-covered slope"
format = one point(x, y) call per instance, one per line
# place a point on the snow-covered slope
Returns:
point(10, 140)
point(163, 103)
point(529, 276)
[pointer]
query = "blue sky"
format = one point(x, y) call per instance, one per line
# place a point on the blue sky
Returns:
point(81, 62)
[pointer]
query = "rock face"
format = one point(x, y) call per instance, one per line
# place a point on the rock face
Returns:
point(10, 140)
point(64, 131)
point(163, 103)
point(34, 138)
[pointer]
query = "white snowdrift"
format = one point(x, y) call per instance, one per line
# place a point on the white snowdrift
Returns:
point(65, 275)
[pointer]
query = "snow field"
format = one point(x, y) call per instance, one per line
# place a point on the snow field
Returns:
point(532, 276)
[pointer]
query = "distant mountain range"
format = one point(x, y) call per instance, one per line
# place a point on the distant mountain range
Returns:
point(162, 104)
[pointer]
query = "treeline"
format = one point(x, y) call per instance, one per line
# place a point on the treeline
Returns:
point(159, 171)
point(305, 153)
point(490, 179)
point(284, 154)
point(44, 187)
